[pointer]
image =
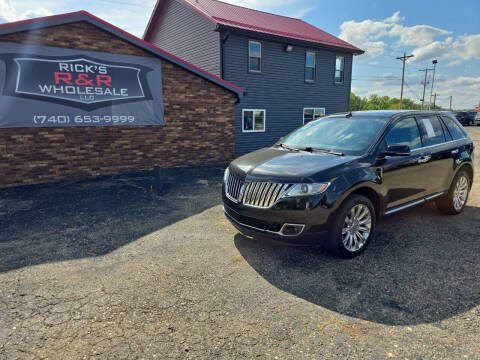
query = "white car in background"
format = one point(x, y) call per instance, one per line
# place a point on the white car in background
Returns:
point(477, 119)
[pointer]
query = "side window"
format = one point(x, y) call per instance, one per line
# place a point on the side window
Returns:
point(310, 66)
point(339, 69)
point(432, 131)
point(405, 132)
point(253, 120)
point(254, 56)
point(453, 127)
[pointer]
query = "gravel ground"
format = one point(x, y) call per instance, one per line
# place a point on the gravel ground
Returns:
point(107, 269)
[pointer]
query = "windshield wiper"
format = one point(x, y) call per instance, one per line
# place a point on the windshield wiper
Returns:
point(326, 151)
point(311, 150)
point(288, 147)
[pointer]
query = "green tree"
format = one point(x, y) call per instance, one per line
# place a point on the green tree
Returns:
point(376, 102)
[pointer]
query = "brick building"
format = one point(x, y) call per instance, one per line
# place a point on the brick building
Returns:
point(198, 113)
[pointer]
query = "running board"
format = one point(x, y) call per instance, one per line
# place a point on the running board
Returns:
point(409, 205)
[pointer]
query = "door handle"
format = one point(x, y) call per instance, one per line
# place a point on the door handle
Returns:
point(455, 152)
point(424, 159)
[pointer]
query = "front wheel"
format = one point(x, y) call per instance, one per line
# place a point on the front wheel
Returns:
point(453, 203)
point(352, 227)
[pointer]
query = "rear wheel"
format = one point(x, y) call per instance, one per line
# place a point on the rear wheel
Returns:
point(455, 200)
point(352, 228)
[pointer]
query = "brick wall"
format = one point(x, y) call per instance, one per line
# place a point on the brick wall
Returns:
point(199, 124)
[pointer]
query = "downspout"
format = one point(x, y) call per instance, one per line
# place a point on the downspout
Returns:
point(224, 35)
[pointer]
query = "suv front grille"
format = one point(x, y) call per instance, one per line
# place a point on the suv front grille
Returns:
point(263, 195)
point(255, 194)
point(233, 187)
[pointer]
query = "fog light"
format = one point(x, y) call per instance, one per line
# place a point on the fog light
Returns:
point(292, 229)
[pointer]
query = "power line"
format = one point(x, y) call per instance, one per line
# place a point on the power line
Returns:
point(412, 92)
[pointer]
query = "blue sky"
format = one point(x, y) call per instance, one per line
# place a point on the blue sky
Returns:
point(445, 30)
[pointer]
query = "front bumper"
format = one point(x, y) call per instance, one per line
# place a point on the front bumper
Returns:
point(284, 222)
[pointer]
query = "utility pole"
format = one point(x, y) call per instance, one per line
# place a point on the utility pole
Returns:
point(434, 62)
point(451, 100)
point(404, 59)
point(434, 100)
point(425, 83)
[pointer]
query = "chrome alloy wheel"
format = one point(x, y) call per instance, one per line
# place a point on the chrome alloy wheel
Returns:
point(460, 193)
point(357, 227)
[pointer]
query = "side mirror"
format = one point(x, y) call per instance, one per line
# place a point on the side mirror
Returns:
point(397, 150)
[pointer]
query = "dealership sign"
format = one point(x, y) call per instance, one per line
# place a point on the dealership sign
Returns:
point(48, 87)
point(78, 80)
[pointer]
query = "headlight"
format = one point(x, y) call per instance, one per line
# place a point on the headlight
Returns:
point(225, 176)
point(306, 189)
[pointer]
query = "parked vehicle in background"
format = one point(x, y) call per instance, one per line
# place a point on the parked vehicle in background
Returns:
point(477, 119)
point(336, 176)
point(466, 118)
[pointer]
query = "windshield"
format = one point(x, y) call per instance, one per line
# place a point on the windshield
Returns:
point(350, 136)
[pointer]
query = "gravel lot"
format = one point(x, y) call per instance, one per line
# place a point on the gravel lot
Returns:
point(107, 269)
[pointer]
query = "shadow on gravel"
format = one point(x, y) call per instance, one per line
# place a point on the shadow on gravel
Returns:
point(422, 267)
point(64, 221)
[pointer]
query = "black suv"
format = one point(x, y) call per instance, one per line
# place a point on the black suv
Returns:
point(466, 118)
point(336, 176)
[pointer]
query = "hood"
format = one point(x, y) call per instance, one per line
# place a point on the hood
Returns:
point(282, 165)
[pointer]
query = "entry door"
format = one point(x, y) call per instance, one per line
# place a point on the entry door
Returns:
point(406, 177)
point(441, 146)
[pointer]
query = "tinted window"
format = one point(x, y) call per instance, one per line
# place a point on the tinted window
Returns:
point(455, 129)
point(352, 136)
point(405, 132)
point(432, 131)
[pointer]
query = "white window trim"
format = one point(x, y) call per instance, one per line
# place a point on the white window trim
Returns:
point(253, 130)
point(261, 56)
point(314, 65)
point(313, 108)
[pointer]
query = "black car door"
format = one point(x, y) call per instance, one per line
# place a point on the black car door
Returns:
point(405, 177)
point(439, 141)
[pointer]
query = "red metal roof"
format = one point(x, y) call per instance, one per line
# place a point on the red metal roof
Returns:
point(82, 15)
point(240, 17)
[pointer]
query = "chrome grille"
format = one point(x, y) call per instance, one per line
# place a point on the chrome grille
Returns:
point(233, 187)
point(256, 194)
point(263, 195)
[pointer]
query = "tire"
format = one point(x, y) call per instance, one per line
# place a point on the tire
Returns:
point(447, 204)
point(346, 245)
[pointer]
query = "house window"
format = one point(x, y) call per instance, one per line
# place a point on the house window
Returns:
point(339, 70)
point(311, 114)
point(255, 56)
point(253, 120)
point(310, 66)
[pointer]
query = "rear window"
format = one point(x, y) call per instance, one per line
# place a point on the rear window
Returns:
point(454, 128)
point(432, 131)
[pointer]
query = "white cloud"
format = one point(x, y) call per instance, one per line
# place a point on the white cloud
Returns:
point(366, 34)
point(434, 50)
point(11, 11)
point(456, 51)
point(417, 35)
point(372, 35)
